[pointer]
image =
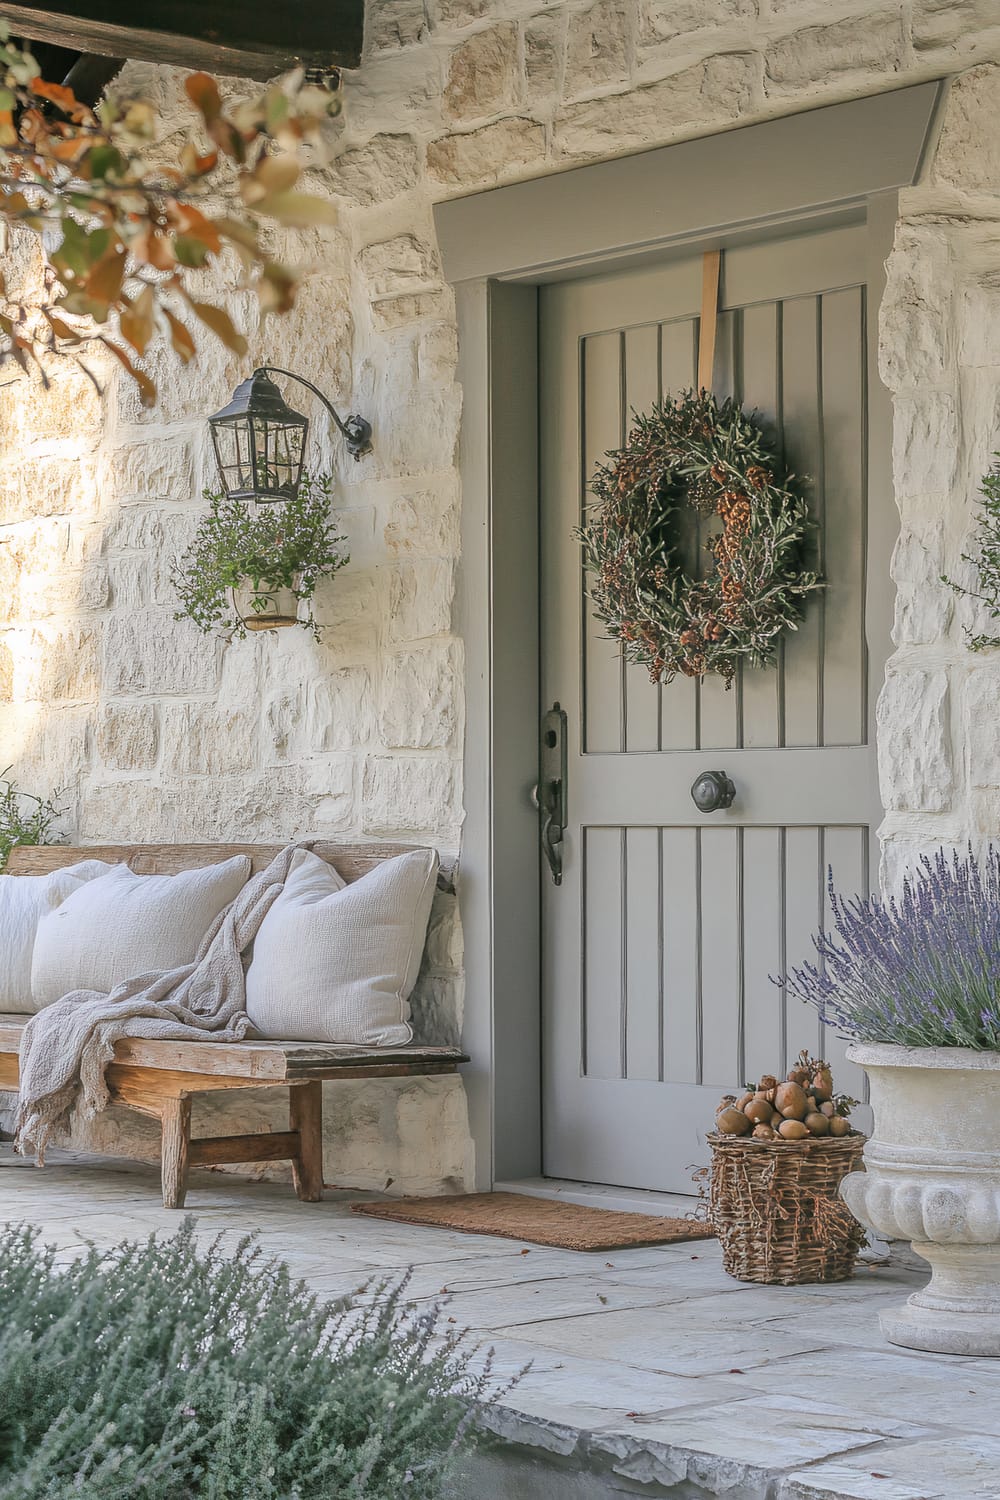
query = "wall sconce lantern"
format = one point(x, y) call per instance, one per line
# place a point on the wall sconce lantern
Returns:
point(260, 442)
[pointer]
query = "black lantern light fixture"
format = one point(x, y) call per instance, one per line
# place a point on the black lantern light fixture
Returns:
point(260, 442)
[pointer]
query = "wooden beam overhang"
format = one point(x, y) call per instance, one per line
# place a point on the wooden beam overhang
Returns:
point(222, 36)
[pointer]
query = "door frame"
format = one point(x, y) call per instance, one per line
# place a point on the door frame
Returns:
point(841, 163)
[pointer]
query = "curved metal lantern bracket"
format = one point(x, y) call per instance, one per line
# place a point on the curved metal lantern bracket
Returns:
point(356, 431)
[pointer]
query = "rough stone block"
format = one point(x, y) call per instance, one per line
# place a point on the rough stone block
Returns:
point(205, 739)
point(487, 155)
point(914, 741)
point(968, 151)
point(951, 24)
point(711, 92)
point(381, 169)
point(872, 44)
point(416, 307)
point(456, 13)
point(916, 317)
point(597, 48)
point(482, 74)
point(394, 23)
point(425, 523)
point(436, 1010)
point(925, 444)
point(924, 605)
point(544, 56)
point(160, 469)
point(113, 812)
point(437, 353)
point(979, 326)
point(128, 736)
point(405, 263)
point(419, 434)
point(981, 716)
point(420, 599)
point(340, 710)
point(413, 795)
point(58, 662)
point(663, 21)
point(400, 91)
point(150, 652)
point(331, 786)
point(420, 698)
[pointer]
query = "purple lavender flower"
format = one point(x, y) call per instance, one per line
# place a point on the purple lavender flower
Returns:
point(922, 970)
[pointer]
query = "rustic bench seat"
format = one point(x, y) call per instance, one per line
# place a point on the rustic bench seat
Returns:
point(160, 1078)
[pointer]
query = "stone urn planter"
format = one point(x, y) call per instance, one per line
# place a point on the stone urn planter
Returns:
point(932, 1176)
point(265, 609)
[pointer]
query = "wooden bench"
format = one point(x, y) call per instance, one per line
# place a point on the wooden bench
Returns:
point(160, 1078)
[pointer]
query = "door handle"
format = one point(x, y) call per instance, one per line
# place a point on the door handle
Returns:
point(549, 795)
point(712, 790)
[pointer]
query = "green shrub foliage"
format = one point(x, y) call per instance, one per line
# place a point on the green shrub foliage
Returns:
point(985, 559)
point(24, 818)
point(164, 1371)
point(292, 544)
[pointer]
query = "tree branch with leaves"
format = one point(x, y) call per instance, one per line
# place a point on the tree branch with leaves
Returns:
point(124, 234)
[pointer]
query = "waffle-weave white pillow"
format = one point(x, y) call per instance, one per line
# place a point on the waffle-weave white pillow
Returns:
point(24, 901)
point(336, 963)
point(124, 925)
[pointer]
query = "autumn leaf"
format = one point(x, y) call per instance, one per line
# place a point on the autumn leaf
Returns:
point(276, 289)
point(193, 164)
point(203, 91)
point(104, 283)
point(64, 99)
point(297, 210)
point(272, 174)
point(147, 390)
point(221, 324)
point(136, 320)
point(180, 336)
point(155, 249)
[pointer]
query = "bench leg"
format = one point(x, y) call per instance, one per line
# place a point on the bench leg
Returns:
point(305, 1114)
point(175, 1147)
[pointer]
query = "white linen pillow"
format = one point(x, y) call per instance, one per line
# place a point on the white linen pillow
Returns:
point(124, 925)
point(336, 963)
point(24, 901)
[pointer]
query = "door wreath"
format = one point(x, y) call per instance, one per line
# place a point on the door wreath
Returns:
point(714, 458)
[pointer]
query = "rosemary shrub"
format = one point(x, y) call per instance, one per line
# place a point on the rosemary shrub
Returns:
point(281, 546)
point(163, 1372)
point(24, 818)
point(920, 971)
point(984, 558)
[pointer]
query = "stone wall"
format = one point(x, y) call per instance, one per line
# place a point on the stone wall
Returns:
point(155, 732)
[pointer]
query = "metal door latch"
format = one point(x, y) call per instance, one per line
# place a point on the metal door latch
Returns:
point(549, 796)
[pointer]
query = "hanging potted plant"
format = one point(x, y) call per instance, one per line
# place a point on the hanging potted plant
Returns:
point(915, 983)
point(256, 567)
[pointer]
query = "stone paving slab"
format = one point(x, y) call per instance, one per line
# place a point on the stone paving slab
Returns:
point(651, 1371)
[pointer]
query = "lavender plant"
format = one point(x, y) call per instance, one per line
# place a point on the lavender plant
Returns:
point(920, 971)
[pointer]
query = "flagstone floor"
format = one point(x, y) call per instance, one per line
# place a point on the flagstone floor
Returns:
point(651, 1372)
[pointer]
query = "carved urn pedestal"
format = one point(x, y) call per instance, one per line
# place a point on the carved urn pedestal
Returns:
point(932, 1176)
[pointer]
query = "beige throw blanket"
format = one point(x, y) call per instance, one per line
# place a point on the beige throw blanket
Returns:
point(66, 1047)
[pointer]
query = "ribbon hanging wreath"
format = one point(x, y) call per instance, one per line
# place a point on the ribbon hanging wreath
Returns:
point(715, 459)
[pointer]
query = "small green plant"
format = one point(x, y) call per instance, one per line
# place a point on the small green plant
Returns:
point(985, 558)
point(24, 818)
point(291, 545)
point(164, 1372)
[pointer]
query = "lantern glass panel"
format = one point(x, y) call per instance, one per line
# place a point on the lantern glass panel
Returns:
point(260, 459)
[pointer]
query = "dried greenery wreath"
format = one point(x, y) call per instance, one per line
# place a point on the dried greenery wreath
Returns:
point(715, 459)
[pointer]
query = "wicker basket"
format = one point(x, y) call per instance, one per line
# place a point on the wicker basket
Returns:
point(775, 1208)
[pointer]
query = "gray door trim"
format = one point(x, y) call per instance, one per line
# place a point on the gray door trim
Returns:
point(497, 603)
point(817, 162)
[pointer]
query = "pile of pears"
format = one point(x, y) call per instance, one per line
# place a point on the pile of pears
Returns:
point(804, 1105)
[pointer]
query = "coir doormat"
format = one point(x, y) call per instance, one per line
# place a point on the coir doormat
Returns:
point(543, 1221)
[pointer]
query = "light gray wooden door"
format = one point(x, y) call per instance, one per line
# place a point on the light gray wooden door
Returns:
point(660, 943)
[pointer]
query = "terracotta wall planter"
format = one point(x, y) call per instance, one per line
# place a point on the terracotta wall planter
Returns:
point(932, 1175)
